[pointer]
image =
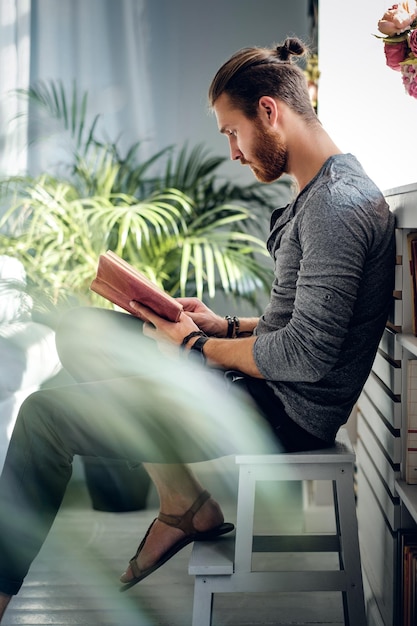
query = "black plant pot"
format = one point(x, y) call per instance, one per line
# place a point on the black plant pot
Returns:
point(115, 486)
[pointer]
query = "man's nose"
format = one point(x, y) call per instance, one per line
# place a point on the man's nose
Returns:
point(235, 153)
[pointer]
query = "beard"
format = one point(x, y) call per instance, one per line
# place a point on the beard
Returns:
point(270, 155)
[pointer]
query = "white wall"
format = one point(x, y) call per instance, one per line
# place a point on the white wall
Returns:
point(362, 103)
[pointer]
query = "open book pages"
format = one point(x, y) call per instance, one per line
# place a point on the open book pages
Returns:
point(119, 282)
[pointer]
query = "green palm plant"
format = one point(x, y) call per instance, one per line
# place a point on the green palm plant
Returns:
point(59, 235)
point(184, 227)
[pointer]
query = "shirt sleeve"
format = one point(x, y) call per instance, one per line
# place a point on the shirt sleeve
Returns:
point(328, 244)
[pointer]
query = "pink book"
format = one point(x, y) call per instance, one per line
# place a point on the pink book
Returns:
point(119, 282)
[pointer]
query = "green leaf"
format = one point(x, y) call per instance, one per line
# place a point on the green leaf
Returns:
point(172, 215)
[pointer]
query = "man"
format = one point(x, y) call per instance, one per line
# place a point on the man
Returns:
point(303, 363)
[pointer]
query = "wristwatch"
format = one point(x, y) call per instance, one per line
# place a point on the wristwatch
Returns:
point(198, 347)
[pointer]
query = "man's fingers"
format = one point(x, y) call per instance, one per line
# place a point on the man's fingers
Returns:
point(143, 311)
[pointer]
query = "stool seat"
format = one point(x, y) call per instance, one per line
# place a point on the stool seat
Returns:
point(225, 564)
point(341, 451)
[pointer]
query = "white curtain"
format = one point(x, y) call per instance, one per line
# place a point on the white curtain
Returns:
point(99, 44)
point(14, 74)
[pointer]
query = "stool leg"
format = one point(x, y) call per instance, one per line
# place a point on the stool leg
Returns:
point(244, 519)
point(347, 528)
point(203, 602)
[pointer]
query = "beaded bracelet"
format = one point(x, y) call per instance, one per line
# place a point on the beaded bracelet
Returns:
point(237, 325)
point(230, 326)
point(233, 325)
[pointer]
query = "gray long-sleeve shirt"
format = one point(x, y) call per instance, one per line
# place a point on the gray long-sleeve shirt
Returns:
point(334, 255)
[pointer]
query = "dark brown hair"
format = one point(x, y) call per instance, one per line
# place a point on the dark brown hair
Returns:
point(255, 72)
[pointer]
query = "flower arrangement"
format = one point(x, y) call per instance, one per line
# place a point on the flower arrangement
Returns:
point(399, 25)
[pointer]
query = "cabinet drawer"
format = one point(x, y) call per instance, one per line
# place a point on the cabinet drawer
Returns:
point(387, 404)
point(395, 313)
point(390, 374)
point(378, 552)
point(389, 505)
point(389, 472)
point(399, 249)
point(390, 345)
point(398, 285)
point(390, 441)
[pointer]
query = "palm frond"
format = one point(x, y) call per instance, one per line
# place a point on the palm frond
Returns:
point(172, 215)
point(189, 168)
point(228, 260)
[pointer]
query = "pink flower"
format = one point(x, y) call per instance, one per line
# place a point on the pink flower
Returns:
point(395, 53)
point(397, 19)
point(409, 77)
point(412, 42)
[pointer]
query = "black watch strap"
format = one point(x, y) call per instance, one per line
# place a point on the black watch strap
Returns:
point(198, 347)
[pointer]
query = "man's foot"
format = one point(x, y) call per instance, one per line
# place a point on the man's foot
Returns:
point(4, 601)
point(170, 533)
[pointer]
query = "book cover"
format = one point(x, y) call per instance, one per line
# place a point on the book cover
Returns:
point(411, 444)
point(119, 282)
point(407, 563)
point(412, 260)
point(413, 587)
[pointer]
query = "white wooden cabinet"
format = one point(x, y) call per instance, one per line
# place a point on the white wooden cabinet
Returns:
point(386, 504)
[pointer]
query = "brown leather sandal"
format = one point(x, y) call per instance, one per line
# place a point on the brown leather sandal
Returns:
point(184, 523)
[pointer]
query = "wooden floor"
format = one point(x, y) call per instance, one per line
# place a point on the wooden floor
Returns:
point(74, 580)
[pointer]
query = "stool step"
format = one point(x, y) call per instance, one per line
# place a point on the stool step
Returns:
point(216, 558)
point(212, 558)
point(295, 543)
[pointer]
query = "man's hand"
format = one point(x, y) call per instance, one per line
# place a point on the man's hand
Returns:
point(160, 329)
point(212, 324)
point(227, 353)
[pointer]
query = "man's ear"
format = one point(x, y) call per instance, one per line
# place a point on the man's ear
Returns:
point(268, 110)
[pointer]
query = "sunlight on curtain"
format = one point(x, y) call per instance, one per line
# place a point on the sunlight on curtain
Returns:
point(14, 74)
point(102, 46)
point(138, 72)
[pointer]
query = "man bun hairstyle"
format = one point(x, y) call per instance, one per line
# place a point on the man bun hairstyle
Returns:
point(291, 47)
point(255, 72)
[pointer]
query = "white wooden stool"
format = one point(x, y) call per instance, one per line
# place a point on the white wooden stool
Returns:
point(225, 565)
